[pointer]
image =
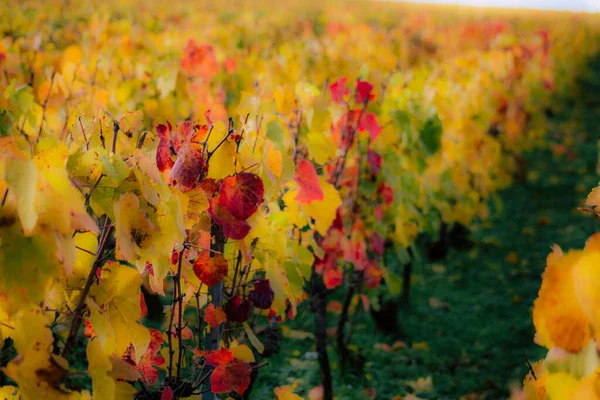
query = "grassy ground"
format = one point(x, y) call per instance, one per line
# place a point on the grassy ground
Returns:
point(469, 325)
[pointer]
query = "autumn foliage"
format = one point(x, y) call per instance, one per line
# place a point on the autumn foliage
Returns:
point(241, 170)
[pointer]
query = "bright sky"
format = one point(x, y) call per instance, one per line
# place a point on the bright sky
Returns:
point(574, 5)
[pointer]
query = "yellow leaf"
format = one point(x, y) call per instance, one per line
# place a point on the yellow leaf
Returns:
point(10, 393)
point(421, 384)
point(37, 372)
point(72, 54)
point(134, 229)
point(560, 386)
point(242, 352)
point(115, 310)
point(286, 393)
point(21, 176)
point(103, 386)
point(324, 211)
point(253, 339)
point(558, 317)
point(290, 333)
point(593, 199)
point(587, 285)
point(320, 147)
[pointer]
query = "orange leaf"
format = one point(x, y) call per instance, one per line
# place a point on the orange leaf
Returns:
point(210, 270)
point(232, 376)
point(309, 187)
point(88, 331)
point(222, 356)
point(214, 316)
point(199, 60)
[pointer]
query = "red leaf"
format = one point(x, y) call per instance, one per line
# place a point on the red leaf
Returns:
point(167, 393)
point(386, 193)
point(375, 161)
point(208, 118)
point(309, 187)
point(230, 65)
point(338, 90)
point(199, 60)
point(88, 331)
point(150, 268)
point(210, 270)
point(373, 275)
point(151, 358)
point(174, 256)
point(356, 251)
point(241, 194)
point(222, 356)
point(233, 228)
point(238, 198)
point(237, 310)
point(214, 316)
point(262, 295)
point(210, 186)
point(343, 132)
point(369, 123)
point(377, 243)
point(143, 305)
point(332, 276)
point(189, 167)
point(273, 317)
point(163, 151)
point(148, 372)
point(235, 376)
point(363, 92)
point(379, 212)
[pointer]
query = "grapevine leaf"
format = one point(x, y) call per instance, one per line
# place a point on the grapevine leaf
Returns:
point(309, 187)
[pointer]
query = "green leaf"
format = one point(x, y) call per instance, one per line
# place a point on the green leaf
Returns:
point(276, 134)
point(402, 119)
point(393, 282)
point(431, 135)
point(113, 167)
point(21, 98)
point(6, 121)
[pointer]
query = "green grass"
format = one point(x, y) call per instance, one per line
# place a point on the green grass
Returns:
point(480, 342)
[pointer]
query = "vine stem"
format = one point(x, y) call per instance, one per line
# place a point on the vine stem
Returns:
point(180, 327)
point(340, 336)
point(213, 338)
point(174, 302)
point(318, 294)
point(318, 290)
point(80, 308)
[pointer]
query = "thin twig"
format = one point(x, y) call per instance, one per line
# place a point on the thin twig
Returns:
point(530, 367)
point(87, 251)
point(7, 326)
point(115, 132)
point(87, 144)
point(46, 104)
point(79, 309)
point(89, 195)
